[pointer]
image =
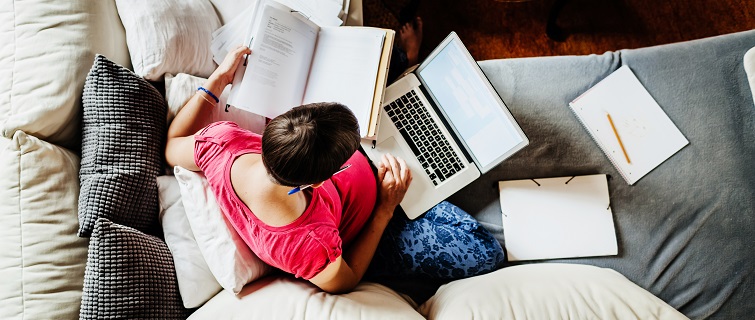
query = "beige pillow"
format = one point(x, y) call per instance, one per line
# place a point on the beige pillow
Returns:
point(283, 297)
point(169, 36)
point(547, 291)
point(47, 49)
point(42, 260)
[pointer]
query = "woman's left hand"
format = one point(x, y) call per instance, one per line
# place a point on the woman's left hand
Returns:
point(394, 178)
point(227, 69)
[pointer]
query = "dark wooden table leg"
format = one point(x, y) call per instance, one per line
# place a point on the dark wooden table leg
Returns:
point(552, 29)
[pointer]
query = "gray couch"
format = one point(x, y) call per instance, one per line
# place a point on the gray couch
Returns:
point(685, 230)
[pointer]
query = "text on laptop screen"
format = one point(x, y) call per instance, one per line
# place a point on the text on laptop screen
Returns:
point(470, 106)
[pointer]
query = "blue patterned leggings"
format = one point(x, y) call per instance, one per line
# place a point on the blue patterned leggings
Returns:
point(445, 243)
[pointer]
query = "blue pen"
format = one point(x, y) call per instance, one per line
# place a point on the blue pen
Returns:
point(246, 59)
point(300, 188)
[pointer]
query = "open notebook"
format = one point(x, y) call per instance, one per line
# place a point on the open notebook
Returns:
point(628, 124)
point(552, 218)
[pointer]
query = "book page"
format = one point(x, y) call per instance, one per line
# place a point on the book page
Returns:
point(275, 75)
point(234, 33)
point(344, 69)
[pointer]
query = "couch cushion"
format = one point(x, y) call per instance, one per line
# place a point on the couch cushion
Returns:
point(123, 139)
point(284, 297)
point(170, 36)
point(547, 291)
point(41, 258)
point(46, 46)
point(129, 275)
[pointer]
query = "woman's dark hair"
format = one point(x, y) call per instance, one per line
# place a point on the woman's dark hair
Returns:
point(309, 143)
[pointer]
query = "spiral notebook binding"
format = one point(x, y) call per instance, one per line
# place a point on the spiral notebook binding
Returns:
point(600, 145)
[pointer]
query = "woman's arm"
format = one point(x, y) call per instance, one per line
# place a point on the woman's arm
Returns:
point(179, 149)
point(343, 274)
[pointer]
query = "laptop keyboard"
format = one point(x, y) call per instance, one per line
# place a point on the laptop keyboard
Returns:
point(424, 138)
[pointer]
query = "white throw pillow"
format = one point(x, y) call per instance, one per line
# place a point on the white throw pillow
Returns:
point(230, 260)
point(168, 36)
point(547, 291)
point(195, 281)
point(42, 260)
point(284, 297)
point(47, 50)
point(181, 87)
point(749, 64)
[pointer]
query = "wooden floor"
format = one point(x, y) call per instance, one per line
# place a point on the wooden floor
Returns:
point(497, 29)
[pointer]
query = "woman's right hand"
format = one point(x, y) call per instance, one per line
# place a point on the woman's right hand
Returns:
point(394, 178)
point(227, 69)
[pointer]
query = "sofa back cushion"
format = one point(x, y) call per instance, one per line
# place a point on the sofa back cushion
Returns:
point(41, 258)
point(41, 72)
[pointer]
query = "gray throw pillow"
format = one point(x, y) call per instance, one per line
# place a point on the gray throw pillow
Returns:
point(129, 275)
point(123, 136)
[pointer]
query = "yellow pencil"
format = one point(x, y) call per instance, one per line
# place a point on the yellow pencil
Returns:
point(618, 138)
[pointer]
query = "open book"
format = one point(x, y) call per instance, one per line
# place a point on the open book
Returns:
point(294, 61)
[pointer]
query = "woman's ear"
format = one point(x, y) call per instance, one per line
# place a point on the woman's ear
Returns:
point(317, 185)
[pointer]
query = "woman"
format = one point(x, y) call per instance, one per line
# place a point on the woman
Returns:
point(301, 195)
point(261, 184)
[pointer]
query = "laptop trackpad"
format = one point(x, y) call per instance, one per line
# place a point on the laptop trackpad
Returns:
point(390, 145)
point(420, 196)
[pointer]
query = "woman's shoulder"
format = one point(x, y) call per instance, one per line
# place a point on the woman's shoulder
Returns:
point(230, 127)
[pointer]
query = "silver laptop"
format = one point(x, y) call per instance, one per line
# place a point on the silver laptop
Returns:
point(448, 123)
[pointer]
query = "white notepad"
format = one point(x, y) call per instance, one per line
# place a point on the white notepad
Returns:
point(553, 218)
point(646, 132)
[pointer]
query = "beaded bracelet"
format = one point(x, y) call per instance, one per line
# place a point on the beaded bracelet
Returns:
point(209, 93)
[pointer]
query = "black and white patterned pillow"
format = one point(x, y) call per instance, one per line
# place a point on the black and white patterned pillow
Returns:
point(129, 275)
point(123, 137)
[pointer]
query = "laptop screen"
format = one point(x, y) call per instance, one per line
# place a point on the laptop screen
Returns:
point(470, 104)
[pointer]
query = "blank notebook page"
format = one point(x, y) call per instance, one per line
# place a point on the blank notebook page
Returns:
point(648, 135)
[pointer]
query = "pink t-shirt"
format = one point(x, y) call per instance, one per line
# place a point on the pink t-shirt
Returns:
point(336, 214)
